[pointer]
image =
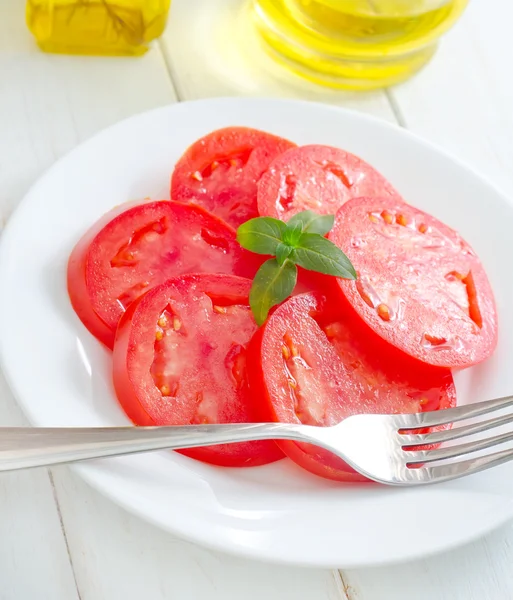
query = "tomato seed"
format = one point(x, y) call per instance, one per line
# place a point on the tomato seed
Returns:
point(197, 176)
point(288, 186)
point(434, 340)
point(366, 292)
point(388, 217)
point(176, 323)
point(383, 312)
point(218, 242)
point(165, 390)
point(220, 309)
point(423, 228)
point(401, 220)
point(294, 350)
point(473, 305)
point(335, 170)
point(285, 352)
point(329, 330)
point(162, 322)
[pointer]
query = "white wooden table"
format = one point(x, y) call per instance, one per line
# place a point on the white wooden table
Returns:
point(60, 540)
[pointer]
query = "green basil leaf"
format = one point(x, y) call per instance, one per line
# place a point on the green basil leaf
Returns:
point(271, 285)
point(293, 233)
point(283, 251)
point(316, 253)
point(261, 235)
point(312, 222)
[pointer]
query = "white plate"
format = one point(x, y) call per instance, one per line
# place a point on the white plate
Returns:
point(61, 375)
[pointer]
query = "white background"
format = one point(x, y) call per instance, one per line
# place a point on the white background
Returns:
point(60, 540)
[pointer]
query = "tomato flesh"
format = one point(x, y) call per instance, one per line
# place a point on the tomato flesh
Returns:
point(313, 364)
point(180, 359)
point(420, 286)
point(129, 251)
point(318, 178)
point(220, 171)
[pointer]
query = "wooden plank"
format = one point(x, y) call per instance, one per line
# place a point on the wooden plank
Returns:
point(49, 103)
point(463, 98)
point(34, 561)
point(212, 50)
point(480, 571)
point(117, 555)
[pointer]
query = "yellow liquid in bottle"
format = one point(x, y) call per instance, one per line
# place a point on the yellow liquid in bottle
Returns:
point(123, 27)
point(354, 44)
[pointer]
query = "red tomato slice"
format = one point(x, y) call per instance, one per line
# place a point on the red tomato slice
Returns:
point(420, 286)
point(311, 364)
point(220, 171)
point(180, 359)
point(318, 178)
point(128, 251)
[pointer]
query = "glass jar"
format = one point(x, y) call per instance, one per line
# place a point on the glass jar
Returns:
point(123, 27)
point(354, 44)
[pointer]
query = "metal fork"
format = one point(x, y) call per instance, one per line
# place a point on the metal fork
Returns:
point(381, 447)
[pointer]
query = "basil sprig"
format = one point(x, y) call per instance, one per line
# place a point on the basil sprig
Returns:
point(299, 242)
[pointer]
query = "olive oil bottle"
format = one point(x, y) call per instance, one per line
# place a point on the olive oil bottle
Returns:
point(355, 44)
point(105, 27)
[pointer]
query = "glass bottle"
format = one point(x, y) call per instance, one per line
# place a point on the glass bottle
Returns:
point(105, 27)
point(354, 44)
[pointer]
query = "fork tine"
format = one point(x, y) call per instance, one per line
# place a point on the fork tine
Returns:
point(408, 440)
point(426, 456)
point(450, 415)
point(438, 473)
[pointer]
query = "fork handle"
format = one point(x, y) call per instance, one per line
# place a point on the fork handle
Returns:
point(25, 447)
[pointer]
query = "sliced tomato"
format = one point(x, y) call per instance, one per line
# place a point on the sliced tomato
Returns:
point(180, 359)
point(420, 286)
point(220, 171)
point(318, 178)
point(312, 364)
point(128, 251)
